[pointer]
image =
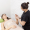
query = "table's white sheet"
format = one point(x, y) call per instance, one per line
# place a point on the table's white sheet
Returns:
point(0, 26)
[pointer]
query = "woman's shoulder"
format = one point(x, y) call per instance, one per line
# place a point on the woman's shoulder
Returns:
point(2, 22)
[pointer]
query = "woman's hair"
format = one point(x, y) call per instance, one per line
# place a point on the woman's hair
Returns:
point(25, 5)
point(7, 17)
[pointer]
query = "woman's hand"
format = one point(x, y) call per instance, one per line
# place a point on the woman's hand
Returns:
point(13, 26)
point(6, 29)
point(16, 16)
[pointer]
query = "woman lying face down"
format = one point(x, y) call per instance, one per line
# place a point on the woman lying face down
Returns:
point(9, 24)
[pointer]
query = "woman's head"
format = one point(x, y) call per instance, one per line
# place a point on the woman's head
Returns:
point(4, 16)
point(24, 6)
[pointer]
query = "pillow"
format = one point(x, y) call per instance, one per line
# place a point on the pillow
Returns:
point(1, 20)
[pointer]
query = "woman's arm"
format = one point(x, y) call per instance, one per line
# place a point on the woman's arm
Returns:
point(17, 16)
point(21, 22)
point(17, 21)
point(8, 28)
point(13, 26)
point(2, 26)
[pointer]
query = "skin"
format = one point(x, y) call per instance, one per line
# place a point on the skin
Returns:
point(17, 17)
point(5, 19)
